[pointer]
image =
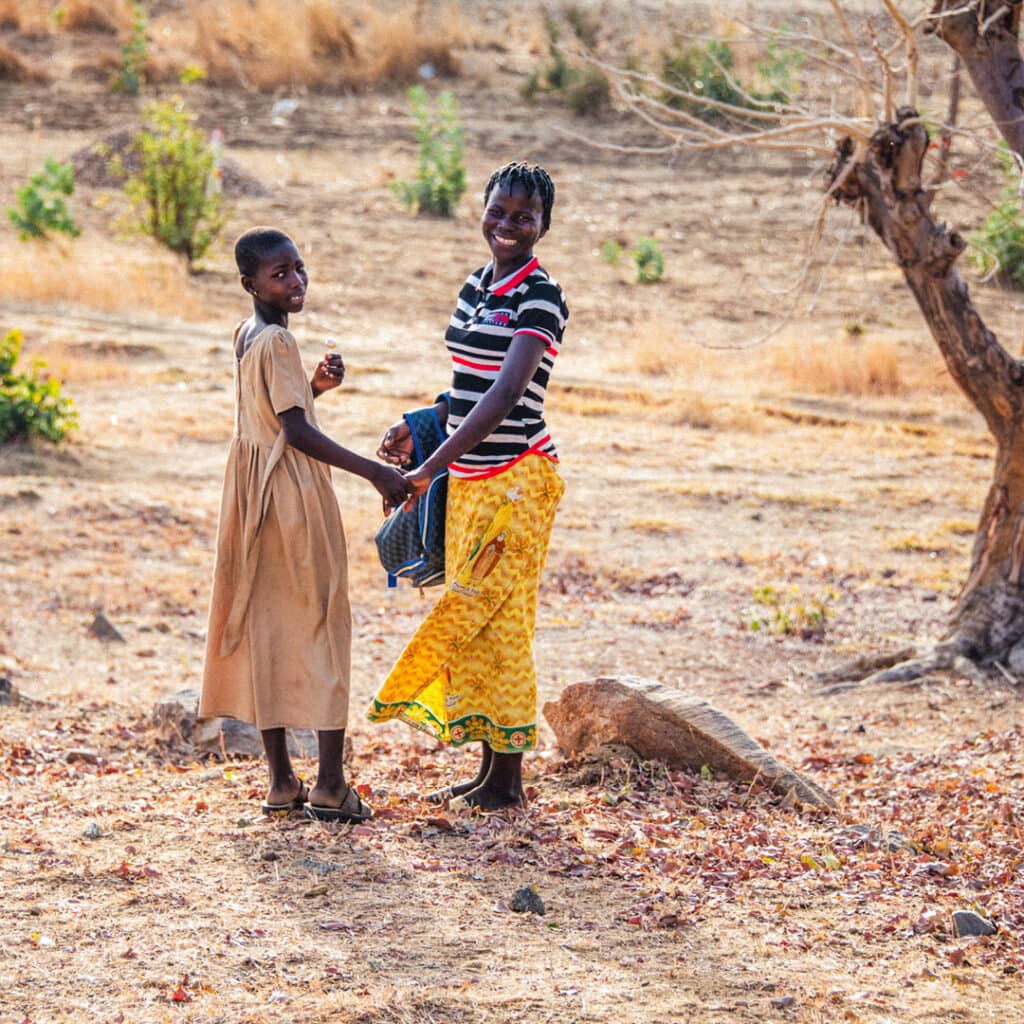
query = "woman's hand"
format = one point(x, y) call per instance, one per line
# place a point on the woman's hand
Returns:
point(396, 446)
point(391, 486)
point(329, 373)
point(416, 483)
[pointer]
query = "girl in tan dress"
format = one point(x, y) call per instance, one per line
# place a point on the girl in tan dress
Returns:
point(278, 644)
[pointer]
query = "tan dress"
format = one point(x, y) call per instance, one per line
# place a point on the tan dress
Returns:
point(280, 631)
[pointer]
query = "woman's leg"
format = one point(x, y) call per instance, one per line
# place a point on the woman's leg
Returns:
point(503, 786)
point(284, 783)
point(330, 789)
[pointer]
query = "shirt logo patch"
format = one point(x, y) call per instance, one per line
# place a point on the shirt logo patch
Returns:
point(498, 320)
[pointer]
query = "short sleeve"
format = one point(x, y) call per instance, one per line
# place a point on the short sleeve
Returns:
point(283, 372)
point(542, 312)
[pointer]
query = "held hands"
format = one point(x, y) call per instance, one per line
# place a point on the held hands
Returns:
point(396, 446)
point(329, 373)
point(416, 483)
point(392, 487)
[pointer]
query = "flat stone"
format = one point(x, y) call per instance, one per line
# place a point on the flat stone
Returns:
point(967, 922)
point(663, 724)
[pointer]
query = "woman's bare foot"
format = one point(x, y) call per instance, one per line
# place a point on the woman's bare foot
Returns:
point(485, 798)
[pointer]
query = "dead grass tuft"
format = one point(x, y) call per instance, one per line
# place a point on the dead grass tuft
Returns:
point(319, 43)
point(112, 16)
point(847, 367)
point(31, 17)
point(14, 67)
point(102, 277)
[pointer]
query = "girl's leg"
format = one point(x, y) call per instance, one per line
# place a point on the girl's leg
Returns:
point(331, 788)
point(503, 786)
point(462, 788)
point(284, 783)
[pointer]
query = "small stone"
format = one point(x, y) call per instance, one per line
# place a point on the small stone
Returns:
point(103, 629)
point(783, 1002)
point(93, 831)
point(8, 691)
point(967, 922)
point(526, 901)
point(269, 855)
point(81, 754)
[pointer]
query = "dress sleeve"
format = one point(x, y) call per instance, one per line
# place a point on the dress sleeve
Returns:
point(283, 372)
point(542, 313)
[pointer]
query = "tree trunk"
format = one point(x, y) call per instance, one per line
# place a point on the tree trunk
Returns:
point(884, 180)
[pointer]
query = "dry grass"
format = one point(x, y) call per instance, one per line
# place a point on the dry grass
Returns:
point(97, 276)
point(29, 16)
point(14, 67)
point(111, 16)
point(318, 43)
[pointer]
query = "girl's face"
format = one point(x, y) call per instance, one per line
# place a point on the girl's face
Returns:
point(512, 225)
point(280, 282)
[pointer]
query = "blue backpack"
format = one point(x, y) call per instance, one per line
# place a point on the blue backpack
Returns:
point(411, 544)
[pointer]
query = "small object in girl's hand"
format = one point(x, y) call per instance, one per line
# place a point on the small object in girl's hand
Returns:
point(330, 343)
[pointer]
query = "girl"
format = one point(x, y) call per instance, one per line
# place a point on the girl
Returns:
point(277, 650)
point(468, 672)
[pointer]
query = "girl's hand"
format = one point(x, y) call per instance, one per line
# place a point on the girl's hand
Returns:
point(329, 373)
point(416, 483)
point(391, 485)
point(396, 445)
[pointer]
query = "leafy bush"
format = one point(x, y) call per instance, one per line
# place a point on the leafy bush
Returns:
point(998, 245)
point(133, 56)
point(31, 403)
point(441, 176)
point(41, 207)
point(709, 73)
point(649, 261)
point(175, 193)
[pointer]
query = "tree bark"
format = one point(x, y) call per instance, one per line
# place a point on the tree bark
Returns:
point(884, 180)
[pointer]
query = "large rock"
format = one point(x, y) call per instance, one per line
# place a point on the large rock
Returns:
point(662, 724)
point(177, 723)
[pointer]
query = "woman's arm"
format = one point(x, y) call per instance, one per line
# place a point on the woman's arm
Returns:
point(304, 437)
point(524, 356)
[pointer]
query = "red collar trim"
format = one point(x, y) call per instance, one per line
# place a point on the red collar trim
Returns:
point(506, 285)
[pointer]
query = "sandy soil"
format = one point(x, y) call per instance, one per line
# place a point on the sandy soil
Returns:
point(142, 885)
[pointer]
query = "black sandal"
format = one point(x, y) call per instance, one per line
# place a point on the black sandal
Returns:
point(344, 812)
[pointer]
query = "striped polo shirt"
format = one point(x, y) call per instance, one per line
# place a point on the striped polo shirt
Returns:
point(487, 317)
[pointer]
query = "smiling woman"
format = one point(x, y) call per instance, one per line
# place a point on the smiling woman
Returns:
point(468, 673)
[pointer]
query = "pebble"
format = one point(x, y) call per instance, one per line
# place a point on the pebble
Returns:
point(526, 901)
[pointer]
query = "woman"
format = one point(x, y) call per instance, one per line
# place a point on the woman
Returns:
point(468, 673)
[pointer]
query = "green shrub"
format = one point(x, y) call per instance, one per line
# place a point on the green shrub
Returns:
point(133, 56)
point(174, 195)
point(31, 403)
point(709, 73)
point(440, 176)
point(611, 252)
point(998, 245)
point(649, 261)
point(788, 612)
point(41, 208)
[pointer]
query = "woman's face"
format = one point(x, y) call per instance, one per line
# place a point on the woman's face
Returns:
point(512, 225)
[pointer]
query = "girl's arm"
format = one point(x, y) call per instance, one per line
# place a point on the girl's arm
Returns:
point(304, 437)
point(524, 356)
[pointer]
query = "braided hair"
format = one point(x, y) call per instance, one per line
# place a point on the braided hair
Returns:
point(531, 180)
point(253, 245)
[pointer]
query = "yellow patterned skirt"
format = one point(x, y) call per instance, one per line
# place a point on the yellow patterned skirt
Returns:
point(468, 673)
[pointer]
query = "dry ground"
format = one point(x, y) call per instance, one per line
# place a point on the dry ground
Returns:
point(708, 489)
